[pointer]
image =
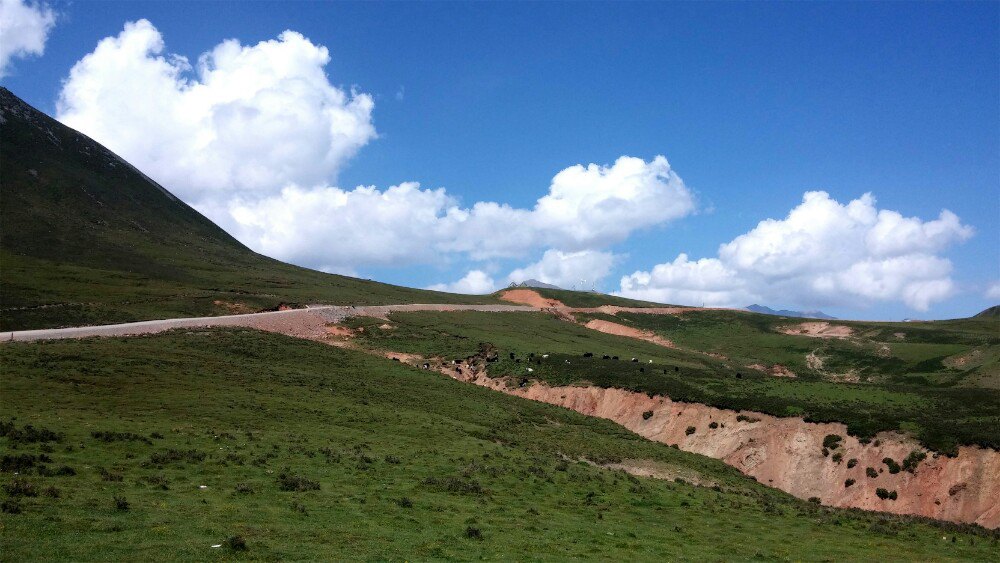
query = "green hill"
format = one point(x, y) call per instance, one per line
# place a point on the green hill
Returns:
point(85, 238)
point(162, 447)
point(991, 313)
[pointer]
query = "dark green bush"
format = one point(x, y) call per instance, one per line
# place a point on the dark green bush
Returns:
point(891, 463)
point(297, 483)
point(690, 430)
point(913, 460)
point(19, 487)
point(852, 462)
point(870, 472)
point(832, 441)
point(848, 483)
point(647, 415)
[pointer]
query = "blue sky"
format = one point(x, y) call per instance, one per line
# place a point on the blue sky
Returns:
point(752, 104)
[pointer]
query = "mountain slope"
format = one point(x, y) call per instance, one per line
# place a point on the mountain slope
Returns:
point(765, 310)
point(86, 238)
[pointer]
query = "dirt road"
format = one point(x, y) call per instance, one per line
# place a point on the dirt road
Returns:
point(304, 323)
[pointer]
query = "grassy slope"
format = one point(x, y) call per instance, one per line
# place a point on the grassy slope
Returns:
point(902, 396)
point(86, 239)
point(372, 432)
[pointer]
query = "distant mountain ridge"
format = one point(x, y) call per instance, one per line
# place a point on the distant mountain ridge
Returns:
point(786, 313)
point(535, 283)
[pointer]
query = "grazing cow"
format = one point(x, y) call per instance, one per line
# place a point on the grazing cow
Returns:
point(530, 370)
point(677, 368)
point(427, 366)
point(545, 355)
point(512, 355)
point(395, 359)
point(517, 360)
point(642, 369)
point(635, 360)
point(567, 361)
point(615, 358)
point(531, 355)
point(458, 370)
point(605, 357)
point(650, 361)
point(588, 355)
point(739, 375)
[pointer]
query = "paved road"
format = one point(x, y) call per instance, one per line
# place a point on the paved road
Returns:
point(297, 322)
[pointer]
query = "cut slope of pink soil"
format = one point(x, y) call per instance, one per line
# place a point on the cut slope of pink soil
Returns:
point(529, 297)
point(608, 327)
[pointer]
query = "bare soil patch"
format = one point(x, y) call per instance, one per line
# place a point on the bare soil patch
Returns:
point(608, 327)
point(819, 329)
point(529, 297)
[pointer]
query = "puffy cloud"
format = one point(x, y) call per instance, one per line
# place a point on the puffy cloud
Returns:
point(476, 282)
point(246, 120)
point(253, 137)
point(581, 269)
point(993, 291)
point(405, 224)
point(24, 27)
point(703, 282)
point(823, 252)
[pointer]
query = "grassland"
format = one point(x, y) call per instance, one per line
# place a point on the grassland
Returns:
point(161, 447)
point(911, 391)
point(87, 239)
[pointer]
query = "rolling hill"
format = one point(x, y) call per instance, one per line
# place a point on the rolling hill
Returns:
point(86, 238)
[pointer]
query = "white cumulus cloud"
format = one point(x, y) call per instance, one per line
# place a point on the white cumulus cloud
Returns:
point(823, 252)
point(244, 119)
point(993, 291)
point(254, 135)
point(405, 224)
point(582, 269)
point(476, 282)
point(24, 27)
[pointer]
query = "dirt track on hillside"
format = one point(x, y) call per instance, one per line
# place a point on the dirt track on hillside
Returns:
point(302, 323)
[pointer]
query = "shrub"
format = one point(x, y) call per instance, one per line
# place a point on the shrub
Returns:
point(456, 485)
point(156, 436)
point(21, 488)
point(296, 483)
point(29, 434)
point(832, 441)
point(108, 437)
point(404, 502)
point(815, 500)
point(713, 425)
point(690, 430)
point(17, 463)
point(111, 476)
point(892, 495)
point(473, 533)
point(236, 543)
point(392, 459)
point(647, 415)
point(121, 504)
point(244, 488)
point(837, 457)
point(170, 456)
point(299, 507)
point(745, 418)
point(51, 492)
point(11, 506)
point(913, 460)
point(852, 462)
point(848, 483)
point(882, 493)
point(871, 473)
point(891, 463)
